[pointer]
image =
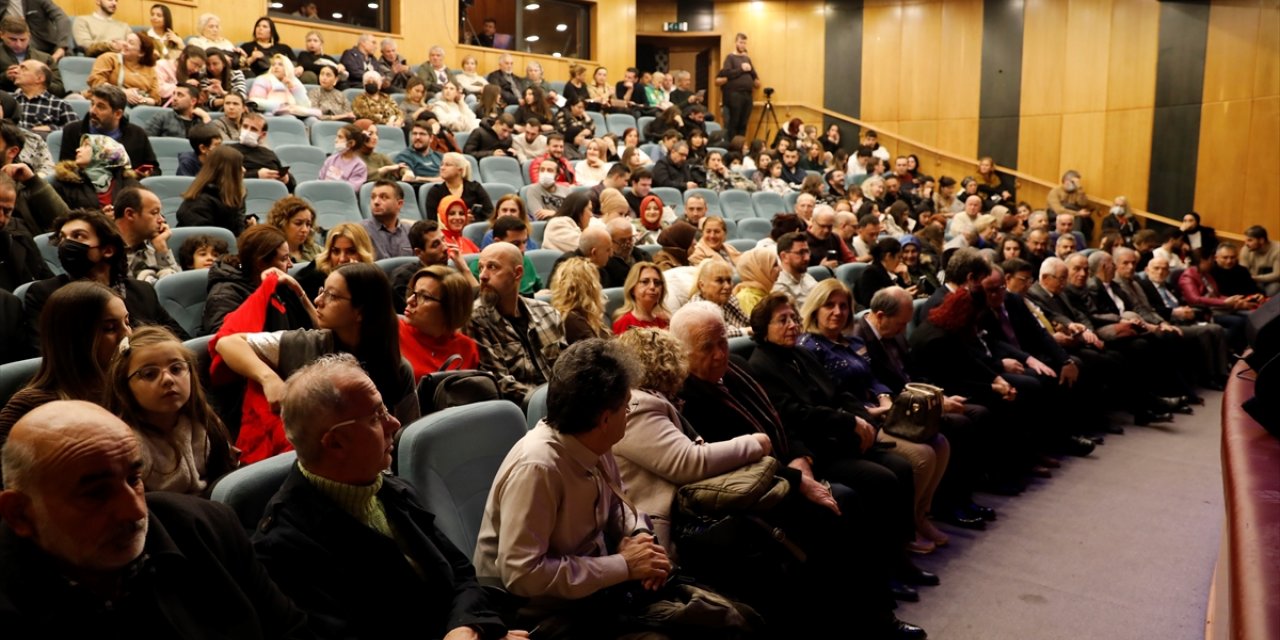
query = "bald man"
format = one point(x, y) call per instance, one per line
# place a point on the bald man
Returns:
point(594, 244)
point(87, 554)
point(519, 338)
point(625, 253)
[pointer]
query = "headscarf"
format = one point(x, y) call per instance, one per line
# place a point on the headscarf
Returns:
point(644, 204)
point(442, 214)
point(677, 238)
point(613, 202)
point(105, 156)
point(755, 267)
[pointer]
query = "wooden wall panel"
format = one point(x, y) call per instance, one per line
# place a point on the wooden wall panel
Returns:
point(1040, 145)
point(1044, 47)
point(881, 69)
point(962, 50)
point(919, 74)
point(1262, 186)
point(1126, 156)
point(1131, 63)
point(1231, 54)
point(1267, 71)
point(1088, 39)
point(959, 136)
point(650, 15)
point(1083, 136)
point(1224, 152)
point(785, 41)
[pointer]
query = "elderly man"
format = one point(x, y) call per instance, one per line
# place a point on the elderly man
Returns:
point(340, 525)
point(16, 49)
point(624, 253)
point(88, 554)
point(358, 60)
point(557, 527)
point(519, 338)
point(805, 204)
point(512, 86)
point(1069, 197)
point(824, 244)
point(964, 222)
point(145, 233)
point(596, 245)
point(1062, 226)
point(392, 66)
point(434, 73)
point(38, 108)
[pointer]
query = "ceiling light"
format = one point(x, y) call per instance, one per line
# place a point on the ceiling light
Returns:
point(531, 38)
point(337, 16)
point(373, 5)
point(555, 55)
point(277, 5)
point(562, 27)
point(532, 6)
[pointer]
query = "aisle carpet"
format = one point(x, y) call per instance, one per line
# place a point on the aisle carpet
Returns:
point(1118, 545)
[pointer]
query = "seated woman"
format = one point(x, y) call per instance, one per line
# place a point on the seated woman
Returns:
point(331, 102)
point(82, 323)
point(375, 104)
point(414, 101)
point(490, 106)
point(630, 141)
point(677, 242)
point(660, 452)
point(758, 268)
point(455, 215)
point(715, 285)
point(886, 270)
point(920, 267)
point(154, 387)
point(649, 224)
point(167, 43)
point(345, 163)
point(571, 219)
point(377, 165)
point(295, 218)
point(533, 106)
point(592, 169)
point(644, 294)
point(99, 172)
point(456, 180)
point(355, 316)
point(438, 307)
point(216, 196)
point(509, 205)
point(262, 248)
point(224, 79)
point(452, 111)
point(576, 294)
point(279, 92)
point(209, 26)
point(828, 319)
point(313, 59)
point(265, 46)
point(346, 243)
point(712, 246)
point(671, 119)
point(133, 69)
point(721, 178)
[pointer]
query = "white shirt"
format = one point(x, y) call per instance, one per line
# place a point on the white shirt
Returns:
point(797, 288)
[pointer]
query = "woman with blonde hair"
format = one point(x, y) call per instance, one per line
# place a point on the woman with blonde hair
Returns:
point(295, 217)
point(576, 294)
point(452, 111)
point(346, 243)
point(471, 82)
point(456, 181)
point(279, 92)
point(644, 293)
point(209, 28)
point(714, 283)
point(758, 269)
point(216, 195)
point(827, 319)
point(154, 388)
point(438, 306)
point(712, 245)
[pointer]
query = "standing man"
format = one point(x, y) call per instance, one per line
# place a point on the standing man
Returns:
point(738, 80)
point(16, 49)
point(50, 27)
point(145, 233)
point(390, 234)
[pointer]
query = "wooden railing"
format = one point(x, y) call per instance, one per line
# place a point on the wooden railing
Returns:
point(1032, 189)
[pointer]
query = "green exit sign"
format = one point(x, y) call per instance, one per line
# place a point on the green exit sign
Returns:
point(675, 26)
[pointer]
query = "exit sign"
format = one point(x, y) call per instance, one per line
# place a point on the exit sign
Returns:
point(675, 26)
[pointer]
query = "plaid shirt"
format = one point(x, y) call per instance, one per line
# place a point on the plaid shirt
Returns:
point(148, 265)
point(43, 109)
point(502, 353)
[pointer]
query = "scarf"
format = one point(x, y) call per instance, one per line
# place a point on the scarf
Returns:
point(755, 267)
point(106, 155)
point(657, 224)
point(676, 240)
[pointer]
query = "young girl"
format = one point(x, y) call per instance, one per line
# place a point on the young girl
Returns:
point(155, 389)
point(200, 252)
point(774, 181)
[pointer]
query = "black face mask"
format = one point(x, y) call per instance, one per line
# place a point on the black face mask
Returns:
point(74, 257)
point(371, 88)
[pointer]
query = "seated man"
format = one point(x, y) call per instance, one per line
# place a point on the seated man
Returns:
point(1261, 257)
point(390, 234)
point(340, 524)
point(423, 162)
point(1069, 198)
point(358, 60)
point(674, 170)
point(824, 244)
point(181, 116)
point(555, 153)
point(514, 231)
point(793, 257)
point(434, 73)
point(99, 32)
point(512, 86)
point(38, 108)
point(88, 554)
point(530, 143)
point(37, 204)
point(106, 117)
point(259, 161)
point(20, 259)
point(491, 138)
point(1232, 278)
point(624, 253)
point(557, 528)
point(34, 41)
point(145, 233)
point(392, 67)
point(203, 138)
point(594, 244)
point(430, 248)
point(519, 338)
point(1062, 226)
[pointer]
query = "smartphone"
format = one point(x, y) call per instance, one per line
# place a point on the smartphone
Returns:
point(833, 255)
point(145, 169)
point(284, 171)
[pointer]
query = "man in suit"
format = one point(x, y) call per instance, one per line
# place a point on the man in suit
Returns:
point(352, 546)
point(435, 74)
point(512, 86)
point(88, 554)
point(49, 26)
point(16, 48)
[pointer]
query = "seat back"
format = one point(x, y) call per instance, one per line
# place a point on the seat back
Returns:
point(14, 376)
point(754, 228)
point(390, 265)
point(537, 406)
point(614, 298)
point(334, 202)
point(183, 295)
point(142, 114)
point(849, 273)
point(538, 231)
point(390, 140)
point(602, 126)
point(742, 347)
point(735, 204)
point(670, 197)
point(730, 229)
point(916, 305)
point(304, 161)
point(543, 260)
point(619, 122)
point(475, 231)
point(49, 253)
point(498, 189)
point(712, 128)
point(768, 204)
point(501, 169)
point(452, 456)
point(180, 235)
point(167, 150)
point(75, 72)
point(169, 189)
point(261, 195)
point(461, 138)
point(323, 132)
point(54, 142)
point(820, 272)
point(411, 210)
point(711, 197)
point(642, 125)
point(743, 244)
point(247, 490)
point(282, 130)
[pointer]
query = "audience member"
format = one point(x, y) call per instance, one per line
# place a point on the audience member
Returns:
point(648, 224)
point(313, 59)
point(491, 138)
point(456, 181)
point(106, 117)
point(738, 80)
point(759, 270)
point(577, 296)
point(453, 216)
point(644, 295)
point(512, 230)
point(279, 92)
point(1261, 257)
point(216, 197)
point(530, 144)
point(511, 85)
point(1232, 278)
point(145, 233)
point(508, 205)
point(133, 70)
point(714, 284)
point(358, 60)
point(624, 252)
point(390, 234)
point(430, 248)
point(571, 219)
point(99, 171)
point(438, 305)
point(262, 249)
point(392, 66)
point(201, 252)
point(793, 256)
point(50, 28)
point(345, 163)
point(38, 108)
point(20, 259)
point(1070, 198)
point(260, 52)
point(224, 79)
point(712, 245)
point(331, 102)
point(422, 162)
point(295, 218)
point(346, 243)
point(673, 170)
point(99, 32)
point(677, 242)
point(1197, 236)
point(260, 161)
point(209, 36)
point(182, 115)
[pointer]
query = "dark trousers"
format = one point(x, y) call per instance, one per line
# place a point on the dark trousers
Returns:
point(738, 104)
point(884, 483)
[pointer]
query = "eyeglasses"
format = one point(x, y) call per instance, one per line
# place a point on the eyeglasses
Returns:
point(151, 375)
point(421, 297)
point(328, 293)
point(786, 319)
point(799, 252)
point(380, 416)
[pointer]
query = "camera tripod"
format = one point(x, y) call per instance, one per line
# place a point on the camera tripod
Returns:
point(769, 112)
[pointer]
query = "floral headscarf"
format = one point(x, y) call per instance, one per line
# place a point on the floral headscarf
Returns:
point(105, 156)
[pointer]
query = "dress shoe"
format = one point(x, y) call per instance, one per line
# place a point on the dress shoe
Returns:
point(1078, 446)
point(903, 592)
point(1170, 403)
point(899, 630)
point(1144, 418)
point(917, 577)
point(986, 513)
point(1004, 487)
point(1214, 385)
point(961, 517)
point(1096, 440)
point(1049, 462)
point(1195, 399)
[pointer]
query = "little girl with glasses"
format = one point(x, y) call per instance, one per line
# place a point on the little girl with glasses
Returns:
point(154, 386)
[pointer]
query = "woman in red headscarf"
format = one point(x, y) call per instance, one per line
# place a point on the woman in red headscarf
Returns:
point(453, 216)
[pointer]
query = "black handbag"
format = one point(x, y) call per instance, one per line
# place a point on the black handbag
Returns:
point(916, 414)
point(454, 387)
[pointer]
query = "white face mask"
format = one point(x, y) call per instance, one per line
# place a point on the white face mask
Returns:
point(1115, 211)
point(547, 180)
point(248, 138)
point(339, 146)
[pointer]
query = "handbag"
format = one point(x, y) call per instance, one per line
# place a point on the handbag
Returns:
point(750, 488)
point(916, 414)
point(453, 386)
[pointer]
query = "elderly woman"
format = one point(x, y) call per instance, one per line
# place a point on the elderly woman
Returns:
point(758, 269)
point(828, 318)
point(508, 205)
point(571, 219)
point(471, 82)
point(278, 92)
point(297, 220)
point(375, 104)
point(712, 246)
point(644, 292)
point(209, 26)
point(132, 69)
point(576, 294)
point(921, 271)
point(438, 306)
point(452, 111)
point(722, 401)
point(660, 451)
point(456, 180)
point(715, 285)
point(331, 102)
point(99, 172)
point(677, 242)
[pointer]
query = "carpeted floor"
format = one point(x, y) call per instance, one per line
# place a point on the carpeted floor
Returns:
point(1115, 546)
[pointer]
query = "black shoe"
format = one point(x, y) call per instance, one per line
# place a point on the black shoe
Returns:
point(1144, 418)
point(1096, 440)
point(1112, 428)
point(1195, 399)
point(986, 513)
point(917, 577)
point(1170, 403)
point(903, 592)
point(960, 517)
point(899, 630)
point(1078, 446)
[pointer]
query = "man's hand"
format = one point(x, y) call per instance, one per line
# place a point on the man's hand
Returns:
point(746, 67)
point(830, 263)
point(161, 241)
point(818, 493)
point(499, 152)
point(19, 171)
point(1011, 366)
point(11, 72)
point(646, 560)
point(202, 114)
point(1005, 390)
point(268, 174)
point(1070, 373)
point(1092, 338)
point(953, 404)
point(866, 432)
point(1040, 367)
point(58, 54)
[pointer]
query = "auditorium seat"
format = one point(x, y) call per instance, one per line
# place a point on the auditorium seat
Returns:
point(304, 161)
point(261, 195)
point(768, 204)
point(169, 189)
point(247, 490)
point(711, 197)
point(323, 132)
point(543, 260)
point(754, 228)
point(537, 406)
point(167, 150)
point(183, 295)
point(282, 130)
point(501, 169)
point(735, 204)
point(50, 254)
point(334, 202)
point(180, 235)
point(475, 231)
point(15, 375)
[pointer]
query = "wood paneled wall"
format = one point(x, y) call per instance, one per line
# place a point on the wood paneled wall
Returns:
point(1238, 176)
